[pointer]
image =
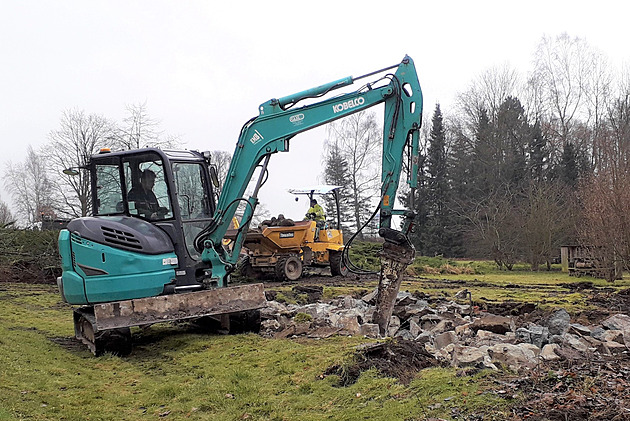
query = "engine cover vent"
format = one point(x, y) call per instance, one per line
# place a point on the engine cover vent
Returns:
point(120, 238)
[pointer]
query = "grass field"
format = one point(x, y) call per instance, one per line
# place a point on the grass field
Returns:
point(177, 372)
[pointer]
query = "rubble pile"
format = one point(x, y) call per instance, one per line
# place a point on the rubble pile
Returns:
point(458, 334)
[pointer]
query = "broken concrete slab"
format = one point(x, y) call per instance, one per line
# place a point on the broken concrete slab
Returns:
point(485, 337)
point(576, 342)
point(514, 357)
point(443, 339)
point(414, 328)
point(548, 352)
point(613, 348)
point(394, 325)
point(466, 356)
point(579, 329)
point(347, 321)
point(617, 322)
point(493, 323)
point(369, 330)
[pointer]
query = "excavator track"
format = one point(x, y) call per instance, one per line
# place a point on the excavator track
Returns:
point(115, 341)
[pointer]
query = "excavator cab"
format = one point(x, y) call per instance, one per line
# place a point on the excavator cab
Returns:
point(131, 236)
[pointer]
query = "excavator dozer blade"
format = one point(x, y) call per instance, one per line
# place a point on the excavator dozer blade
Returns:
point(166, 308)
point(92, 322)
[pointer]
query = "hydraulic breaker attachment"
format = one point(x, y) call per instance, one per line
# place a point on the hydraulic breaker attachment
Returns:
point(394, 261)
point(94, 325)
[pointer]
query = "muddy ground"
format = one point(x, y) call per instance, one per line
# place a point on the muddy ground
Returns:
point(573, 388)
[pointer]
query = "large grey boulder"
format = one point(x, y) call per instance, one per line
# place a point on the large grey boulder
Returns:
point(539, 335)
point(559, 322)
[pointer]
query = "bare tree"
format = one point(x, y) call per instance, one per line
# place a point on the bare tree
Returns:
point(78, 137)
point(487, 92)
point(138, 130)
point(30, 188)
point(605, 227)
point(495, 226)
point(221, 160)
point(606, 195)
point(569, 85)
point(548, 221)
point(359, 140)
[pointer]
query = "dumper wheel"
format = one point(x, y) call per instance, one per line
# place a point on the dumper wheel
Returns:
point(244, 268)
point(289, 268)
point(337, 265)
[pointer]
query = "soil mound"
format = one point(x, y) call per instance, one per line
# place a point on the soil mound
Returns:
point(399, 358)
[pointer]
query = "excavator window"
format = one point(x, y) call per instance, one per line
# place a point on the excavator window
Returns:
point(191, 190)
point(193, 199)
point(147, 190)
point(109, 197)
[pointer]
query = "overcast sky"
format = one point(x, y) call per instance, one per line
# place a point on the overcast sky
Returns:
point(203, 68)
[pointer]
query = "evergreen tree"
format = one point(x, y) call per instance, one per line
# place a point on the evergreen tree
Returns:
point(513, 138)
point(482, 159)
point(538, 154)
point(568, 170)
point(336, 173)
point(460, 168)
point(440, 233)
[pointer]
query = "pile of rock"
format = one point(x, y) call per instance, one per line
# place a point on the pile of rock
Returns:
point(453, 332)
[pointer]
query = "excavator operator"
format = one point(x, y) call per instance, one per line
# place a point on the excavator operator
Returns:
point(146, 202)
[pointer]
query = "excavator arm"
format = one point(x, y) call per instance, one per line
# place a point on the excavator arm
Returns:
point(279, 120)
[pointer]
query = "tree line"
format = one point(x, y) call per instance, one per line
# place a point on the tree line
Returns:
point(38, 186)
point(523, 163)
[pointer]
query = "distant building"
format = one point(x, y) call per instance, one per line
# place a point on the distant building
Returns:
point(580, 260)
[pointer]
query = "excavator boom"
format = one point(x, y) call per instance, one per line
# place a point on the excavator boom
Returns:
point(278, 121)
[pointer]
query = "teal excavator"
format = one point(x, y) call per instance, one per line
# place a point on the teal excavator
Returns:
point(139, 260)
